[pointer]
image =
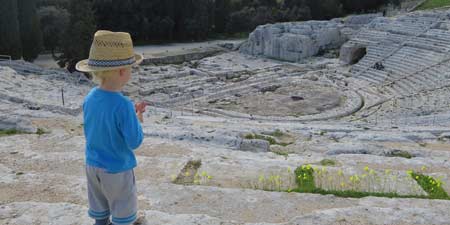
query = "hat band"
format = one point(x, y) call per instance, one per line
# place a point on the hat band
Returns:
point(111, 63)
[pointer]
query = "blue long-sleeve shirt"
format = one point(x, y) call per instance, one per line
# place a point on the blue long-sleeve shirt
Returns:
point(112, 130)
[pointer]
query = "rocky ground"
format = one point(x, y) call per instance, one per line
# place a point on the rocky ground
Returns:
point(223, 138)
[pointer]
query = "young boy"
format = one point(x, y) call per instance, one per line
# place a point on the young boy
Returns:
point(112, 130)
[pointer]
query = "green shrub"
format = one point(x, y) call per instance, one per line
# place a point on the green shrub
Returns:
point(430, 185)
point(304, 177)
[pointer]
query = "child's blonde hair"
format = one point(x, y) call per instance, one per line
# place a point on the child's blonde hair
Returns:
point(100, 76)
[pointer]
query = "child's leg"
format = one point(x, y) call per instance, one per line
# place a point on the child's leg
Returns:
point(120, 190)
point(98, 204)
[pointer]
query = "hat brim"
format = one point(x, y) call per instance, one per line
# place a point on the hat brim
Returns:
point(83, 66)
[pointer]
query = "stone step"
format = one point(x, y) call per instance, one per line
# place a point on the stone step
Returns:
point(226, 90)
point(422, 83)
point(397, 38)
point(404, 67)
point(368, 79)
point(243, 205)
point(397, 89)
point(423, 53)
point(428, 45)
point(374, 76)
point(369, 210)
point(415, 60)
point(411, 87)
point(398, 70)
point(241, 175)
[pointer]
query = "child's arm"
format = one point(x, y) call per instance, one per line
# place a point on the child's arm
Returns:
point(130, 126)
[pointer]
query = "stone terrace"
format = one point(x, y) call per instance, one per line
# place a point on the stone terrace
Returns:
point(389, 112)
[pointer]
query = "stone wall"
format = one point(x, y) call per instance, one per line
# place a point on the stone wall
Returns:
point(294, 41)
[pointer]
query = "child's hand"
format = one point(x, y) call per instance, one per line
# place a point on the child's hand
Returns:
point(140, 108)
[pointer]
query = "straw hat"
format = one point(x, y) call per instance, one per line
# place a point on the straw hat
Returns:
point(110, 51)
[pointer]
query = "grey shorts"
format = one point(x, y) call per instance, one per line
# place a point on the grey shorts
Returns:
point(112, 194)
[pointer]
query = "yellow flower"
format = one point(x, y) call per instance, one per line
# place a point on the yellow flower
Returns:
point(187, 174)
point(424, 168)
point(409, 172)
point(340, 173)
point(174, 177)
point(417, 177)
point(387, 171)
point(209, 177)
point(324, 170)
point(372, 172)
point(366, 168)
point(342, 184)
point(204, 174)
point(261, 178)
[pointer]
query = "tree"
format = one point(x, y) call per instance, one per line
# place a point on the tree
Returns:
point(315, 7)
point(239, 21)
point(9, 29)
point(54, 22)
point(30, 30)
point(331, 9)
point(294, 10)
point(222, 15)
point(197, 24)
point(79, 34)
point(56, 3)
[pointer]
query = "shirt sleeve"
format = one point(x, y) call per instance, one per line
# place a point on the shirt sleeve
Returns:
point(129, 126)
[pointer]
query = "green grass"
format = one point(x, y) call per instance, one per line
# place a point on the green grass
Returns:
point(431, 186)
point(285, 154)
point(9, 132)
point(432, 4)
point(261, 137)
point(327, 162)
point(403, 154)
point(40, 131)
point(271, 140)
point(304, 177)
point(358, 194)
point(276, 133)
